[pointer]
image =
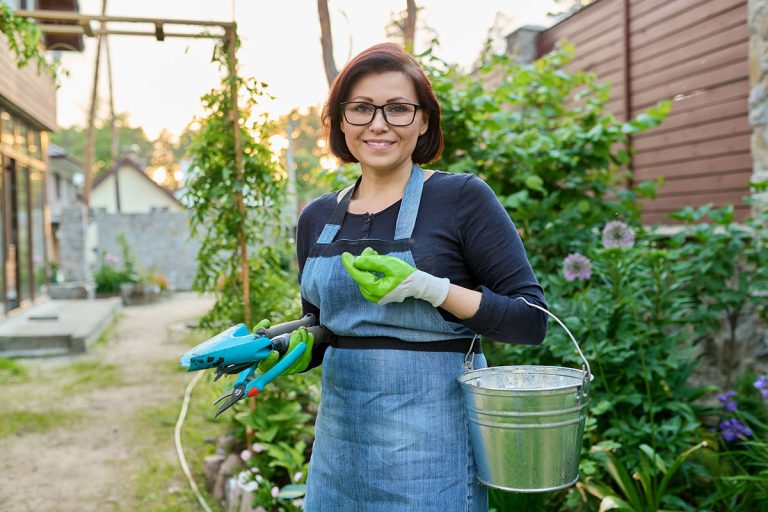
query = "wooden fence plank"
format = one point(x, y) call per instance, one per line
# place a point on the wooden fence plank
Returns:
point(711, 131)
point(709, 79)
point(738, 107)
point(590, 15)
point(700, 48)
point(723, 182)
point(671, 27)
point(674, 202)
point(720, 147)
point(703, 97)
point(720, 56)
point(696, 167)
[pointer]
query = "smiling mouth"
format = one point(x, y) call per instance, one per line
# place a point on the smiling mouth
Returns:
point(379, 143)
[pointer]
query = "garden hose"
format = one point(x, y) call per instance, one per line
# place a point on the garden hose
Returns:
point(177, 439)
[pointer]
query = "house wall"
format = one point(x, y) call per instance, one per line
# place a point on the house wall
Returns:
point(137, 194)
point(694, 52)
point(28, 93)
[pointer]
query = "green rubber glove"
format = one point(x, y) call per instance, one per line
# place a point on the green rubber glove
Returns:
point(298, 336)
point(386, 279)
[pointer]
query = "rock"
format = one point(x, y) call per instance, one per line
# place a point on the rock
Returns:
point(231, 465)
point(211, 466)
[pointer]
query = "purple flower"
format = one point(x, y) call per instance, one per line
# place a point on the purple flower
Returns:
point(733, 429)
point(762, 384)
point(577, 266)
point(111, 259)
point(618, 234)
point(725, 399)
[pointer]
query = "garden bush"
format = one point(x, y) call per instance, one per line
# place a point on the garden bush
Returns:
point(639, 303)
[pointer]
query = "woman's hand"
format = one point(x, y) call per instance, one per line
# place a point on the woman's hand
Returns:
point(300, 335)
point(385, 279)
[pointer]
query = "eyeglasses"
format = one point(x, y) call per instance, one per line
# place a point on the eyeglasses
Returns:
point(360, 113)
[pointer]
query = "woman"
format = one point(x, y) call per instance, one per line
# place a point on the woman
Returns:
point(405, 267)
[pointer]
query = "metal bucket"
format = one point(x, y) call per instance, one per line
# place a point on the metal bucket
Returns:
point(526, 423)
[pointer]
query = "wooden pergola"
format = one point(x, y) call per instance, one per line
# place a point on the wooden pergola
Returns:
point(74, 23)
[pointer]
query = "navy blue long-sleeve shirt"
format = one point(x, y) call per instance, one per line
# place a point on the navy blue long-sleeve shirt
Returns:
point(463, 233)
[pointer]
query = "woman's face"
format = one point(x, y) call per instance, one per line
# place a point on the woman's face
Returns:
point(378, 145)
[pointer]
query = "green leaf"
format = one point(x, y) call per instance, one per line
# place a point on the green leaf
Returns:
point(534, 183)
point(654, 457)
point(291, 492)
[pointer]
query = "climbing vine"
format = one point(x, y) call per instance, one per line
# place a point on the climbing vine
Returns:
point(219, 221)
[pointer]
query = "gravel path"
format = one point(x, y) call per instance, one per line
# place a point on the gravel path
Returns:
point(86, 465)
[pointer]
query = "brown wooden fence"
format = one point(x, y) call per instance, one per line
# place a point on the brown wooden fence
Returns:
point(694, 52)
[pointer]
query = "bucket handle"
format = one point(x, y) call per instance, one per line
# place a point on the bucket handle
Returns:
point(588, 375)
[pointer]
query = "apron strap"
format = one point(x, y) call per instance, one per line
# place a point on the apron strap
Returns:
point(406, 217)
point(334, 225)
point(409, 207)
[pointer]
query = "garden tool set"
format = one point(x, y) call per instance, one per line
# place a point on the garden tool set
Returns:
point(239, 351)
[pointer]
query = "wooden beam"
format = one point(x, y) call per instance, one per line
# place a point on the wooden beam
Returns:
point(85, 25)
point(77, 30)
point(77, 17)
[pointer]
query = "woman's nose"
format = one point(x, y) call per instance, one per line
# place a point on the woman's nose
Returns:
point(379, 122)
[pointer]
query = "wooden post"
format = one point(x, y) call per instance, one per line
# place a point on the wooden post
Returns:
point(91, 115)
point(231, 42)
point(627, 75)
point(112, 124)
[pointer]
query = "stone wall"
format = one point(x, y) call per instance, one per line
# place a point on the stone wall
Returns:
point(159, 241)
point(758, 96)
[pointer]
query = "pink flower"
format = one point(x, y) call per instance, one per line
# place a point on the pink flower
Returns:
point(577, 266)
point(298, 476)
point(258, 448)
point(275, 491)
point(245, 455)
point(618, 234)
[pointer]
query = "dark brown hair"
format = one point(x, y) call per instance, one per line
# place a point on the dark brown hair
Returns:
point(382, 58)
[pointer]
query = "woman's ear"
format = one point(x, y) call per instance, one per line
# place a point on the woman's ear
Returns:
point(424, 124)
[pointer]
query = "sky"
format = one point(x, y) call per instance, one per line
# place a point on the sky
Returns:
point(160, 83)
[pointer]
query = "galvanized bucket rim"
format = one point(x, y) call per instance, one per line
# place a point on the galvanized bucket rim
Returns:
point(466, 376)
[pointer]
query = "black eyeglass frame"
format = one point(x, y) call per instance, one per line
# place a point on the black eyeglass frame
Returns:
point(416, 106)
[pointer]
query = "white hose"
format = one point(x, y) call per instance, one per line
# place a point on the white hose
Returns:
point(177, 439)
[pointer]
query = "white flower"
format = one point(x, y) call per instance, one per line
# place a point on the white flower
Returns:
point(275, 491)
point(298, 476)
point(246, 455)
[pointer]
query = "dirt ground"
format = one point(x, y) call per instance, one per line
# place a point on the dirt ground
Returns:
point(86, 464)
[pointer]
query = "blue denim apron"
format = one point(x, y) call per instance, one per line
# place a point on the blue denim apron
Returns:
point(391, 432)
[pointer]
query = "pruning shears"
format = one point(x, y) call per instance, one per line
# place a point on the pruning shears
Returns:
point(238, 351)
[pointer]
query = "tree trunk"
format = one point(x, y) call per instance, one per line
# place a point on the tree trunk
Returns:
point(409, 31)
point(326, 40)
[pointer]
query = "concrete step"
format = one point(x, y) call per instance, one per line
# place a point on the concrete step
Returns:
point(56, 327)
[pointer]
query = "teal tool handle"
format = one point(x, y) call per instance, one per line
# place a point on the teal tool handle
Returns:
point(256, 386)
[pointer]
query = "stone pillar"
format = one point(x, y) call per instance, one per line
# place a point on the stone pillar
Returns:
point(73, 246)
point(758, 95)
point(521, 44)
